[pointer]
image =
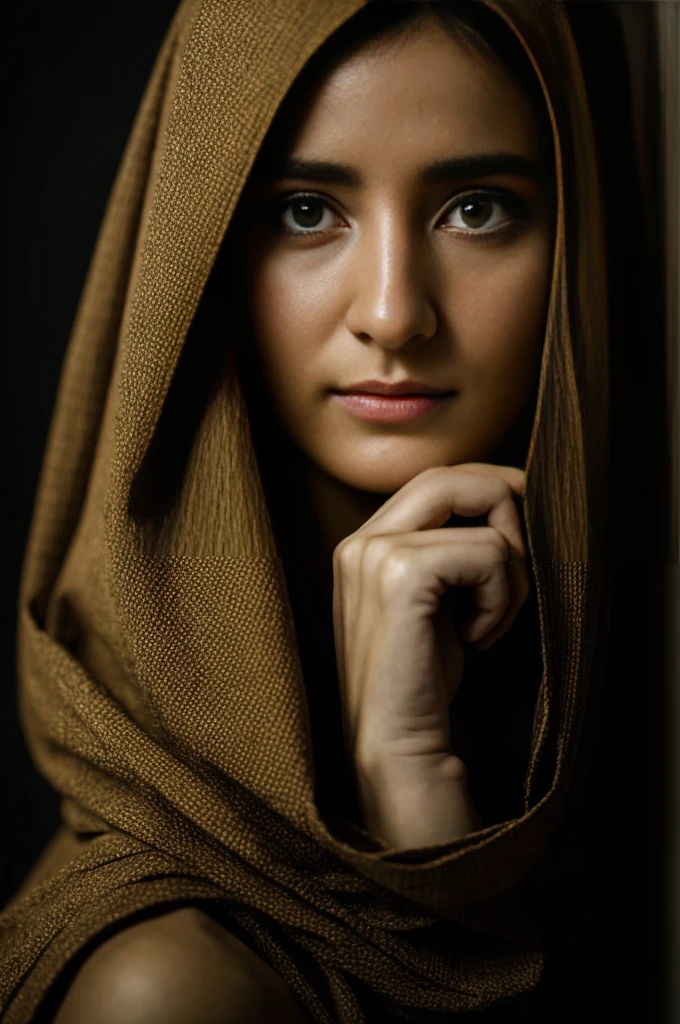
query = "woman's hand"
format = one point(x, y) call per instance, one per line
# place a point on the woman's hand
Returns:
point(400, 658)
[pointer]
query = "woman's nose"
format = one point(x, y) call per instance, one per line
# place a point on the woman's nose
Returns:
point(391, 303)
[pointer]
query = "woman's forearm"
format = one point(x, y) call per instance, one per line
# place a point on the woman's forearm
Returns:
point(408, 805)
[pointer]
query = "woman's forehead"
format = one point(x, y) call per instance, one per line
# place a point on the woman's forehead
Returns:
point(425, 96)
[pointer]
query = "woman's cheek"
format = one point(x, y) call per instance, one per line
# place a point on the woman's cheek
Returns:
point(501, 323)
point(285, 360)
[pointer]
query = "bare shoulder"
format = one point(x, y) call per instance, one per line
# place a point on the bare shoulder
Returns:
point(178, 968)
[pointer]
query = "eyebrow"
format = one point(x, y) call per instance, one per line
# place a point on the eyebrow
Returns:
point(474, 165)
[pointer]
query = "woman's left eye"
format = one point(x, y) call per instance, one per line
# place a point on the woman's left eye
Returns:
point(482, 212)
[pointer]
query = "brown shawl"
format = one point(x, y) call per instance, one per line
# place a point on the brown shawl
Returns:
point(162, 692)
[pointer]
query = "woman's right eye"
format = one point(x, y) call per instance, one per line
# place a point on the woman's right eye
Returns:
point(304, 213)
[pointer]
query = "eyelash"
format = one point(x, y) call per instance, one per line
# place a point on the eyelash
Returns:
point(510, 202)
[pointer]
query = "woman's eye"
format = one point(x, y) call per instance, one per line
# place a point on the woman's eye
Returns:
point(474, 213)
point(305, 214)
point(481, 212)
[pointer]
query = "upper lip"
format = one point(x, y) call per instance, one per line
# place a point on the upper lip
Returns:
point(401, 387)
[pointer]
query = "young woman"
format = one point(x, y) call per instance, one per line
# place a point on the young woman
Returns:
point(281, 649)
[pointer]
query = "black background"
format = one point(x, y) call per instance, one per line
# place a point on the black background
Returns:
point(73, 74)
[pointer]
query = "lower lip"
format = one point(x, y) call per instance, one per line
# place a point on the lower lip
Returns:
point(391, 409)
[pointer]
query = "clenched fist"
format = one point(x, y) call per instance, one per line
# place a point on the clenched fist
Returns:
point(399, 652)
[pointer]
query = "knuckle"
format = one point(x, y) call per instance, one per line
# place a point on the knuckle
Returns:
point(338, 555)
point(435, 471)
point(376, 551)
point(442, 474)
point(506, 489)
point(416, 482)
point(499, 546)
point(396, 569)
point(346, 552)
point(508, 497)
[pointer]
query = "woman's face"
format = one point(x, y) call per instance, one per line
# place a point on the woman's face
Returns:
point(421, 250)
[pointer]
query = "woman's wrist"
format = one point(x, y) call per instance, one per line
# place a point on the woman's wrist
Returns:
point(408, 804)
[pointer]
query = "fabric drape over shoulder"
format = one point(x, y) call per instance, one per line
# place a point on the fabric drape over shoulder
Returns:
point(161, 688)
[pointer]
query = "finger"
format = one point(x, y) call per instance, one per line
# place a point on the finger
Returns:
point(340, 634)
point(515, 477)
point(448, 534)
point(516, 568)
point(353, 623)
point(472, 629)
point(346, 566)
point(481, 566)
point(429, 499)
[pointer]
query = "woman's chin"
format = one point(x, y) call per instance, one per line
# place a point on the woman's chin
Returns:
point(379, 478)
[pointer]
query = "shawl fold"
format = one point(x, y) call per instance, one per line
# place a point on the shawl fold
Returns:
point(161, 690)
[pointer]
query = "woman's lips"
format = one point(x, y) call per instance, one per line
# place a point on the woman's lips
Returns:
point(390, 409)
